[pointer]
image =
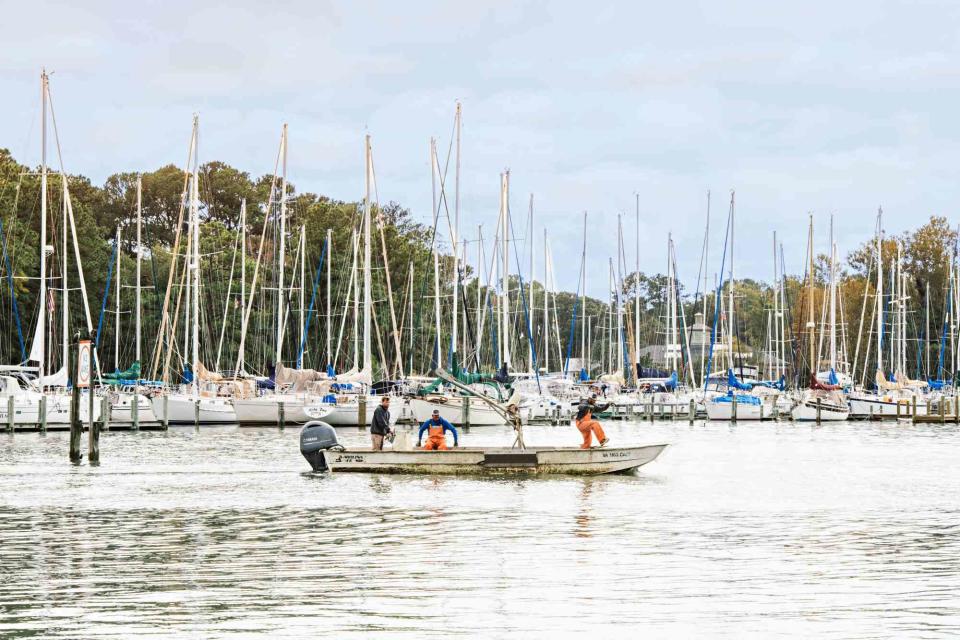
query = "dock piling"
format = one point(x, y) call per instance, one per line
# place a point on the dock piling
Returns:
point(43, 414)
point(362, 411)
point(733, 408)
point(10, 413)
point(76, 428)
point(819, 409)
point(135, 411)
point(282, 414)
point(465, 411)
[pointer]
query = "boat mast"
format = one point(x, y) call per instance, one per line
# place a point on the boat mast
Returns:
point(282, 253)
point(454, 334)
point(436, 305)
point(303, 286)
point(833, 300)
point(329, 294)
point(116, 311)
point(636, 299)
point(730, 287)
point(583, 300)
point(880, 291)
point(505, 255)
point(243, 272)
point(194, 213)
point(546, 305)
point(136, 311)
point(41, 319)
point(530, 301)
point(65, 298)
point(774, 369)
point(811, 325)
point(367, 294)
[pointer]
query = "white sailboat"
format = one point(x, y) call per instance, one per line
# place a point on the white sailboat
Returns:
point(194, 405)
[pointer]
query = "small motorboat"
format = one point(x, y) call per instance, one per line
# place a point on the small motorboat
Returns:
point(319, 445)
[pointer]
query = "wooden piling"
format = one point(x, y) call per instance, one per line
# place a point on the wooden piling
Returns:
point(956, 409)
point(281, 414)
point(362, 411)
point(733, 408)
point(93, 449)
point(913, 407)
point(10, 407)
point(692, 411)
point(819, 409)
point(105, 412)
point(42, 413)
point(135, 411)
point(465, 411)
point(76, 428)
point(166, 412)
point(196, 413)
point(943, 410)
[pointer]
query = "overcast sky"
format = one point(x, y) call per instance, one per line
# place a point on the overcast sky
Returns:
point(818, 107)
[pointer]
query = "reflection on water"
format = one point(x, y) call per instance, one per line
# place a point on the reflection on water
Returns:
point(844, 531)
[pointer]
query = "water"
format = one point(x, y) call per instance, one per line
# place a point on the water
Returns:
point(772, 530)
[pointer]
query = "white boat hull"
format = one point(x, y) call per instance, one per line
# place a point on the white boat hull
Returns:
point(723, 411)
point(877, 406)
point(493, 461)
point(180, 409)
point(266, 410)
point(121, 409)
point(26, 409)
point(829, 412)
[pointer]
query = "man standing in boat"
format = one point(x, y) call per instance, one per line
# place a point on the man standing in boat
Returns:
point(436, 428)
point(380, 425)
point(586, 423)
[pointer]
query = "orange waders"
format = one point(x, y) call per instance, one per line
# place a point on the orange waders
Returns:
point(588, 428)
point(435, 440)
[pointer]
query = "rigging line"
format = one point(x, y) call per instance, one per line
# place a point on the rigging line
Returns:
point(13, 296)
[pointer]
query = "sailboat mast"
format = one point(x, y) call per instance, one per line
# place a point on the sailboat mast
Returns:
point(194, 206)
point(880, 291)
point(367, 294)
point(243, 274)
point(636, 296)
point(833, 299)
point(546, 305)
point(583, 299)
point(774, 342)
point(65, 298)
point(811, 325)
point(329, 295)
point(505, 276)
point(730, 287)
point(303, 286)
point(530, 301)
point(454, 334)
point(41, 316)
point(136, 311)
point(116, 311)
point(282, 252)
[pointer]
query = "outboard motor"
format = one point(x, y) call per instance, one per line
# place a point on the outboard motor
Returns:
point(315, 437)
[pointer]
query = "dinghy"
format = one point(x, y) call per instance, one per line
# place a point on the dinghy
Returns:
point(319, 445)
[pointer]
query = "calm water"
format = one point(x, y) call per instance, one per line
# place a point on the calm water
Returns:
point(846, 531)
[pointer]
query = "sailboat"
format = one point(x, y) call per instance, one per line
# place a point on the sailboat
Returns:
point(822, 400)
point(897, 396)
point(44, 400)
point(199, 403)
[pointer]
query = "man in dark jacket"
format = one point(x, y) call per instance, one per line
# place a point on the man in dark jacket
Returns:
point(380, 425)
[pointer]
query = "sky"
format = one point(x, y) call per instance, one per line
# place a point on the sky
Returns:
point(813, 108)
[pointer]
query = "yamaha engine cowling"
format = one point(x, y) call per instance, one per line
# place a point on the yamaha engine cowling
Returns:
point(315, 437)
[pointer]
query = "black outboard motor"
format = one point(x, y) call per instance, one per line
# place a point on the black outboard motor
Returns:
point(315, 437)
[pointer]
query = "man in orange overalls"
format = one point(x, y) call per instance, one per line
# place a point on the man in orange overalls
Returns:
point(587, 425)
point(435, 428)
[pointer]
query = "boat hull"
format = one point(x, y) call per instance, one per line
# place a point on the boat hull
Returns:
point(266, 410)
point(493, 461)
point(829, 412)
point(874, 406)
point(723, 411)
point(180, 410)
point(121, 409)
